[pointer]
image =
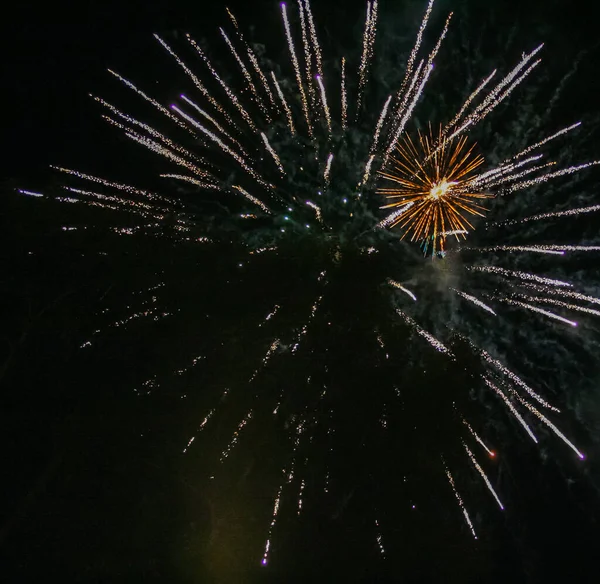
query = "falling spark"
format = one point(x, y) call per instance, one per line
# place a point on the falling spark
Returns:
point(551, 426)
point(286, 107)
point(324, 102)
point(511, 407)
point(327, 169)
point(460, 503)
point(483, 476)
point(437, 345)
point(400, 287)
point(474, 300)
point(272, 152)
point(479, 440)
point(343, 95)
point(539, 310)
point(520, 275)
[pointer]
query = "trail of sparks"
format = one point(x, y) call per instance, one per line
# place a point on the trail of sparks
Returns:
point(520, 275)
point(539, 310)
point(294, 58)
point(483, 476)
point(437, 345)
point(475, 301)
point(460, 502)
point(367, 54)
point(478, 439)
point(400, 287)
point(550, 425)
point(236, 436)
point(511, 407)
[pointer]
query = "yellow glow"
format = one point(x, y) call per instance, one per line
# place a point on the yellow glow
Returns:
point(435, 176)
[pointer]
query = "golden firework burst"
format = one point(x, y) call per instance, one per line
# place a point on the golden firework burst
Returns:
point(435, 187)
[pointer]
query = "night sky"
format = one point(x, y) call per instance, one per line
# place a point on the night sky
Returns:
point(95, 486)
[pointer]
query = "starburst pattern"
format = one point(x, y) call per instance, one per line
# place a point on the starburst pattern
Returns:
point(277, 155)
point(437, 178)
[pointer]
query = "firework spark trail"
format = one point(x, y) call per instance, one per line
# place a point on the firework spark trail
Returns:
point(568, 294)
point(161, 150)
point(247, 77)
point(251, 198)
point(507, 91)
point(367, 54)
point(474, 300)
point(521, 174)
point(343, 95)
point(380, 124)
point(324, 103)
point(483, 476)
point(460, 502)
point(437, 345)
point(498, 173)
point(392, 218)
point(550, 425)
point(142, 208)
point(213, 122)
point(235, 437)
point(400, 287)
point(270, 315)
point(265, 557)
point(194, 181)
point(286, 107)
point(413, 54)
point(545, 177)
point(478, 439)
point(545, 140)
point(199, 86)
point(406, 96)
point(538, 310)
point(254, 61)
point(547, 249)
point(409, 110)
point(230, 94)
point(272, 152)
point(511, 407)
point(468, 101)
point(157, 105)
point(149, 129)
point(29, 193)
point(513, 377)
point(327, 169)
point(115, 185)
point(313, 36)
point(205, 421)
point(520, 275)
point(288, 34)
point(562, 304)
point(367, 172)
point(270, 352)
point(223, 146)
point(492, 100)
point(317, 210)
point(307, 53)
point(379, 538)
point(550, 215)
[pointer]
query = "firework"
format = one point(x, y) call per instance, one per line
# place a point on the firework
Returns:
point(278, 156)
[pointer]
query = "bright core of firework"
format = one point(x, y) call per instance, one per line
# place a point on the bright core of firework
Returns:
point(437, 179)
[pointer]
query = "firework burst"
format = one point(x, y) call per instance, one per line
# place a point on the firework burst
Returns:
point(286, 175)
point(438, 183)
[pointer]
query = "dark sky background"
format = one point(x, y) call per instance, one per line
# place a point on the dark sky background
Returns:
point(94, 485)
